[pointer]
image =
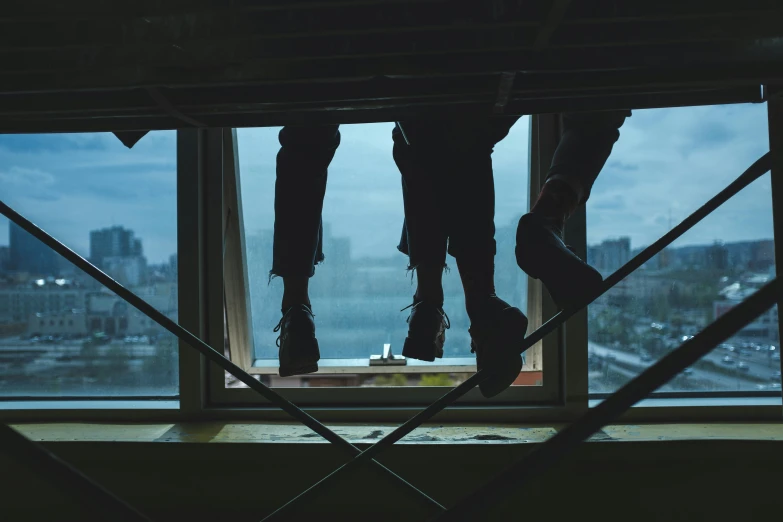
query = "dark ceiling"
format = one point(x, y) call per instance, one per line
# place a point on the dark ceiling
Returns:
point(150, 64)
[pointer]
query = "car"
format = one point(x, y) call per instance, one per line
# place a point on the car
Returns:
point(688, 371)
point(646, 357)
point(743, 367)
point(727, 360)
point(775, 356)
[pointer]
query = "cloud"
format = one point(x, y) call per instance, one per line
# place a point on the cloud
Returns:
point(666, 161)
point(71, 184)
point(609, 202)
point(25, 179)
point(625, 167)
point(684, 156)
point(52, 142)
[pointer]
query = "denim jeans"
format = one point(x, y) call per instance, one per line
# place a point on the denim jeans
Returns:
point(300, 185)
point(448, 185)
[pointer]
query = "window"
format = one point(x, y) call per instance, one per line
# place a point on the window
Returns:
point(357, 293)
point(116, 207)
point(667, 163)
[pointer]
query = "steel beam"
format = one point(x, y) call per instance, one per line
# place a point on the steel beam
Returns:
point(207, 351)
point(35, 457)
point(550, 452)
point(761, 166)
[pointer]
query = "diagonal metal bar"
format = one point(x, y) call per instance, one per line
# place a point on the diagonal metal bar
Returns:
point(206, 350)
point(551, 451)
point(68, 478)
point(755, 171)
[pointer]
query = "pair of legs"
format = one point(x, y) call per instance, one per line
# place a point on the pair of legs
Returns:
point(449, 195)
point(448, 188)
point(302, 168)
point(585, 144)
point(443, 212)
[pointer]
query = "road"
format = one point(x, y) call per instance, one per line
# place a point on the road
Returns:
point(760, 367)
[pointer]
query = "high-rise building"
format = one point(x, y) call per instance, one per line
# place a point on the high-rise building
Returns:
point(610, 255)
point(717, 256)
point(114, 241)
point(5, 257)
point(28, 254)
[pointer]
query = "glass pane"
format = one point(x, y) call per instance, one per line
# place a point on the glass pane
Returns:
point(61, 333)
point(667, 163)
point(357, 293)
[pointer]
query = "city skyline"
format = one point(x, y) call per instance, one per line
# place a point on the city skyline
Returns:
point(666, 164)
point(107, 246)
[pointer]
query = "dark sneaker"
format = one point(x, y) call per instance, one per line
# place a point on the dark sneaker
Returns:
point(543, 255)
point(298, 346)
point(496, 340)
point(427, 325)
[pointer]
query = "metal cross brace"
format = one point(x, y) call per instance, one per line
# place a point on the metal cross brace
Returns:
point(36, 457)
point(761, 166)
point(755, 171)
point(550, 452)
point(208, 352)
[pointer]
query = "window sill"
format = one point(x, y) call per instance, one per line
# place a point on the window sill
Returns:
point(363, 366)
point(279, 433)
point(353, 366)
point(89, 405)
point(704, 408)
point(683, 402)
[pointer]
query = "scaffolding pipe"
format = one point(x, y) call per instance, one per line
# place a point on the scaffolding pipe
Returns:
point(52, 468)
point(193, 341)
point(550, 452)
point(755, 171)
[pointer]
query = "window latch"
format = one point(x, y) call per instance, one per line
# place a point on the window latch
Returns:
point(387, 358)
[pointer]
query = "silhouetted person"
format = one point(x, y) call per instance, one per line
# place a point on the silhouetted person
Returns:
point(449, 195)
point(584, 147)
point(302, 164)
point(448, 189)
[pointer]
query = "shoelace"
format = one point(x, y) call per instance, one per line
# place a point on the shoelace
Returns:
point(279, 326)
point(412, 306)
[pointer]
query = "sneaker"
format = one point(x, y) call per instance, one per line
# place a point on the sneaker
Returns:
point(543, 255)
point(427, 325)
point(299, 352)
point(496, 340)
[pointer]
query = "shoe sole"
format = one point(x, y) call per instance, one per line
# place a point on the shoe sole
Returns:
point(304, 365)
point(423, 351)
point(504, 370)
point(567, 279)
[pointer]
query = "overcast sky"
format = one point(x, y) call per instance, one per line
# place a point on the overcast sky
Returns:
point(666, 164)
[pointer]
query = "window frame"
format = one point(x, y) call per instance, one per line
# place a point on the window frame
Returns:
point(550, 393)
point(200, 173)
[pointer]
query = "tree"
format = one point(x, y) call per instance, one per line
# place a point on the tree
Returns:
point(395, 379)
point(435, 379)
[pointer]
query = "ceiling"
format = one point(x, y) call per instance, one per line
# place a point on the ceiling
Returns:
point(88, 65)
